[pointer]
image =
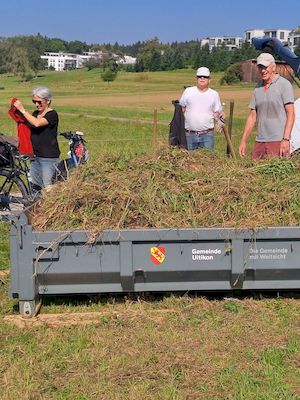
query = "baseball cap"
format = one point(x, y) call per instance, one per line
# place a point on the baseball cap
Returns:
point(203, 71)
point(265, 59)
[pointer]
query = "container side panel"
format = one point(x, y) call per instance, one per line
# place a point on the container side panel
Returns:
point(272, 264)
point(78, 267)
point(182, 266)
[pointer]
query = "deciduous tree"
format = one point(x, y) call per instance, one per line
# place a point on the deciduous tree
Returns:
point(108, 75)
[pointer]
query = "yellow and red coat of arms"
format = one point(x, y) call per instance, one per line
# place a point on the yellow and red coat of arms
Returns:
point(157, 254)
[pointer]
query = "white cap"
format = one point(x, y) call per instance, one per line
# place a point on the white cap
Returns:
point(203, 71)
point(265, 59)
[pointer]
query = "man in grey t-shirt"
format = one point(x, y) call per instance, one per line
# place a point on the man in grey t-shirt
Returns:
point(272, 107)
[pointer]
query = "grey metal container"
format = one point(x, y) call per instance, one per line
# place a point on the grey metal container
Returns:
point(137, 260)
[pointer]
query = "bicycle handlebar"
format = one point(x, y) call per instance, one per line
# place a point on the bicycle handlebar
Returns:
point(72, 135)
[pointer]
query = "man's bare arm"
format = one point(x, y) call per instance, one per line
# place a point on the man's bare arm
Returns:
point(250, 123)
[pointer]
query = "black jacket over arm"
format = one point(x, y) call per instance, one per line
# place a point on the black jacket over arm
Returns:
point(177, 133)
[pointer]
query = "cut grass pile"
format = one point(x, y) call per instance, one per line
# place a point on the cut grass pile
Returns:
point(173, 189)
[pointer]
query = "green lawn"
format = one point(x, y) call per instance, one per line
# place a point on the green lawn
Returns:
point(160, 347)
point(4, 246)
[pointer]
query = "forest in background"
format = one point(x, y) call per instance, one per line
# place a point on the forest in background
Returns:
point(20, 55)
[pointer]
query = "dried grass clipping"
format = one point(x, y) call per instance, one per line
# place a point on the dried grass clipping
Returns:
point(173, 189)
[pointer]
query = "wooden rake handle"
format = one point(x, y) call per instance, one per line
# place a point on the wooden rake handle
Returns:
point(228, 140)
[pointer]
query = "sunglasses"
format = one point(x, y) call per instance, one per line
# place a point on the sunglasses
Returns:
point(202, 76)
point(39, 102)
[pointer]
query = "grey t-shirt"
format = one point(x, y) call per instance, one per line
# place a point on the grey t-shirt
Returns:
point(269, 105)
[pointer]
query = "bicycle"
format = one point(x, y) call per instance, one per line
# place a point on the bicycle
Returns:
point(77, 155)
point(15, 188)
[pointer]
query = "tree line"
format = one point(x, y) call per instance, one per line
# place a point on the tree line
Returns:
point(20, 55)
point(154, 56)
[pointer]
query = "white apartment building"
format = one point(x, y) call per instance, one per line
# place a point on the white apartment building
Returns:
point(229, 42)
point(204, 42)
point(253, 33)
point(294, 40)
point(281, 34)
point(61, 61)
point(87, 55)
point(127, 60)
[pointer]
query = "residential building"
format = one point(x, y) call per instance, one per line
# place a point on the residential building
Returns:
point(204, 42)
point(61, 61)
point(294, 39)
point(253, 33)
point(88, 55)
point(281, 34)
point(126, 60)
point(228, 42)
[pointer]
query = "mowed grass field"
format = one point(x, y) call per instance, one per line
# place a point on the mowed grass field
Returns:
point(165, 346)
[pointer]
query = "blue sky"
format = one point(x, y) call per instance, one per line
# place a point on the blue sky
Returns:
point(127, 21)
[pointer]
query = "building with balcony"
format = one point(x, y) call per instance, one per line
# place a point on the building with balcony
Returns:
point(228, 42)
point(61, 61)
point(281, 34)
point(294, 39)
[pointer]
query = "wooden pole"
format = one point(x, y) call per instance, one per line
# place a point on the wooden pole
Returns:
point(154, 132)
point(229, 142)
point(230, 122)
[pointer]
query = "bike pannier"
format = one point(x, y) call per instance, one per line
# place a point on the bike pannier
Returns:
point(4, 155)
point(5, 143)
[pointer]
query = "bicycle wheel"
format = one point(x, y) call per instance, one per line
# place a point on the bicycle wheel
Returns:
point(14, 195)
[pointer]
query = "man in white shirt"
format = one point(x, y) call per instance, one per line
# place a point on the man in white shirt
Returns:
point(201, 106)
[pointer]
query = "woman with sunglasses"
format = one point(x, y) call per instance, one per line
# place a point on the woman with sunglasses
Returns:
point(43, 124)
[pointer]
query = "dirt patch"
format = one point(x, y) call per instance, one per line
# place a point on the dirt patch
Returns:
point(4, 276)
point(85, 318)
